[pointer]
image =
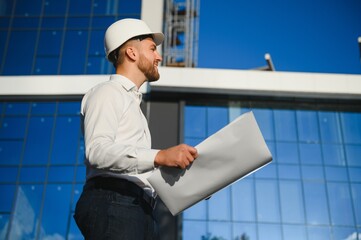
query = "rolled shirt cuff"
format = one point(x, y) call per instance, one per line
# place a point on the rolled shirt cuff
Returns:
point(146, 159)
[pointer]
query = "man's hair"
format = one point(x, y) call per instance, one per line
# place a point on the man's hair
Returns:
point(116, 57)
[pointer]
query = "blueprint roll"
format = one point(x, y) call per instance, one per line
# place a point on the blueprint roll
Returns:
point(225, 157)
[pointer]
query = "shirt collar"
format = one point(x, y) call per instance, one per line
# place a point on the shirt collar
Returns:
point(127, 84)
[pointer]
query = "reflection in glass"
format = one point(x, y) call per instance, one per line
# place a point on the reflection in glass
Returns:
point(269, 231)
point(333, 154)
point(267, 201)
point(316, 203)
point(194, 230)
point(292, 208)
point(316, 233)
point(24, 225)
point(307, 126)
point(219, 205)
point(56, 211)
point(243, 201)
point(294, 232)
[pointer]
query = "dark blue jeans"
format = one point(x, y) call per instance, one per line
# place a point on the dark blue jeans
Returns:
point(105, 214)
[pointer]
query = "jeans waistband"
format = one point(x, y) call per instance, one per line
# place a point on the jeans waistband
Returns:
point(122, 186)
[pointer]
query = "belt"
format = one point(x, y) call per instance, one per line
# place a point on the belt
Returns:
point(121, 186)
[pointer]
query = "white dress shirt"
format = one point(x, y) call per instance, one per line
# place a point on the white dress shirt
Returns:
point(116, 133)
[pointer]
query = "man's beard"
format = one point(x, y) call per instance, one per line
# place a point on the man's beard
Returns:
point(148, 69)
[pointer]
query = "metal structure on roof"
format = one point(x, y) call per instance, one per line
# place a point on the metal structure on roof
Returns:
point(181, 25)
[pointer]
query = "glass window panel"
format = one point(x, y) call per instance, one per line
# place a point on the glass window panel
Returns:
point(4, 224)
point(316, 233)
point(78, 188)
point(353, 153)
point(46, 65)
point(336, 174)
point(268, 171)
point(26, 48)
point(53, 22)
point(312, 173)
point(333, 154)
point(32, 174)
point(96, 43)
point(66, 139)
point(217, 118)
point(24, 23)
point(195, 121)
point(7, 7)
point(219, 205)
point(78, 22)
point(243, 201)
point(80, 174)
point(219, 230)
point(316, 203)
point(310, 153)
point(244, 231)
point(8, 174)
point(193, 141)
point(3, 37)
point(81, 151)
point(307, 124)
point(56, 210)
point(77, 7)
point(38, 140)
point(76, 41)
point(7, 192)
point(294, 232)
point(17, 108)
point(197, 211)
point(50, 42)
point(54, 7)
point(13, 127)
point(10, 152)
point(43, 108)
point(340, 204)
point(267, 201)
point(28, 8)
point(264, 119)
point(26, 213)
point(103, 7)
point(285, 125)
point(347, 233)
point(130, 7)
point(69, 108)
point(288, 171)
point(355, 174)
point(98, 65)
point(102, 22)
point(269, 231)
point(74, 232)
point(291, 197)
point(351, 126)
point(194, 230)
point(356, 197)
point(330, 127)
point(61, 174)
point(287, 152)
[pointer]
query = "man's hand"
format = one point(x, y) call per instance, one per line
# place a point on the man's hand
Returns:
point(178, 156)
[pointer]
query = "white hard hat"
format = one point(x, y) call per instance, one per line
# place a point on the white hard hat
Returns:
point(125, 29)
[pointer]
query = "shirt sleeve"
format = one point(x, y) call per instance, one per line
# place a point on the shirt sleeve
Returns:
point(101, 113)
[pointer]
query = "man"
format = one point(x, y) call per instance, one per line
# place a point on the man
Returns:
point(117, 201)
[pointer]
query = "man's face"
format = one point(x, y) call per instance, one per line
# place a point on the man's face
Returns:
point(149, 59)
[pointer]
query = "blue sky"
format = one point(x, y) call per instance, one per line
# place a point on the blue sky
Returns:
point(301, 36)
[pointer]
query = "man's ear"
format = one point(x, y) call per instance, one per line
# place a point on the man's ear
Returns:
point(132, 53)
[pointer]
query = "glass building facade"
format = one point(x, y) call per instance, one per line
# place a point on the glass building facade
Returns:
point(311, 190)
